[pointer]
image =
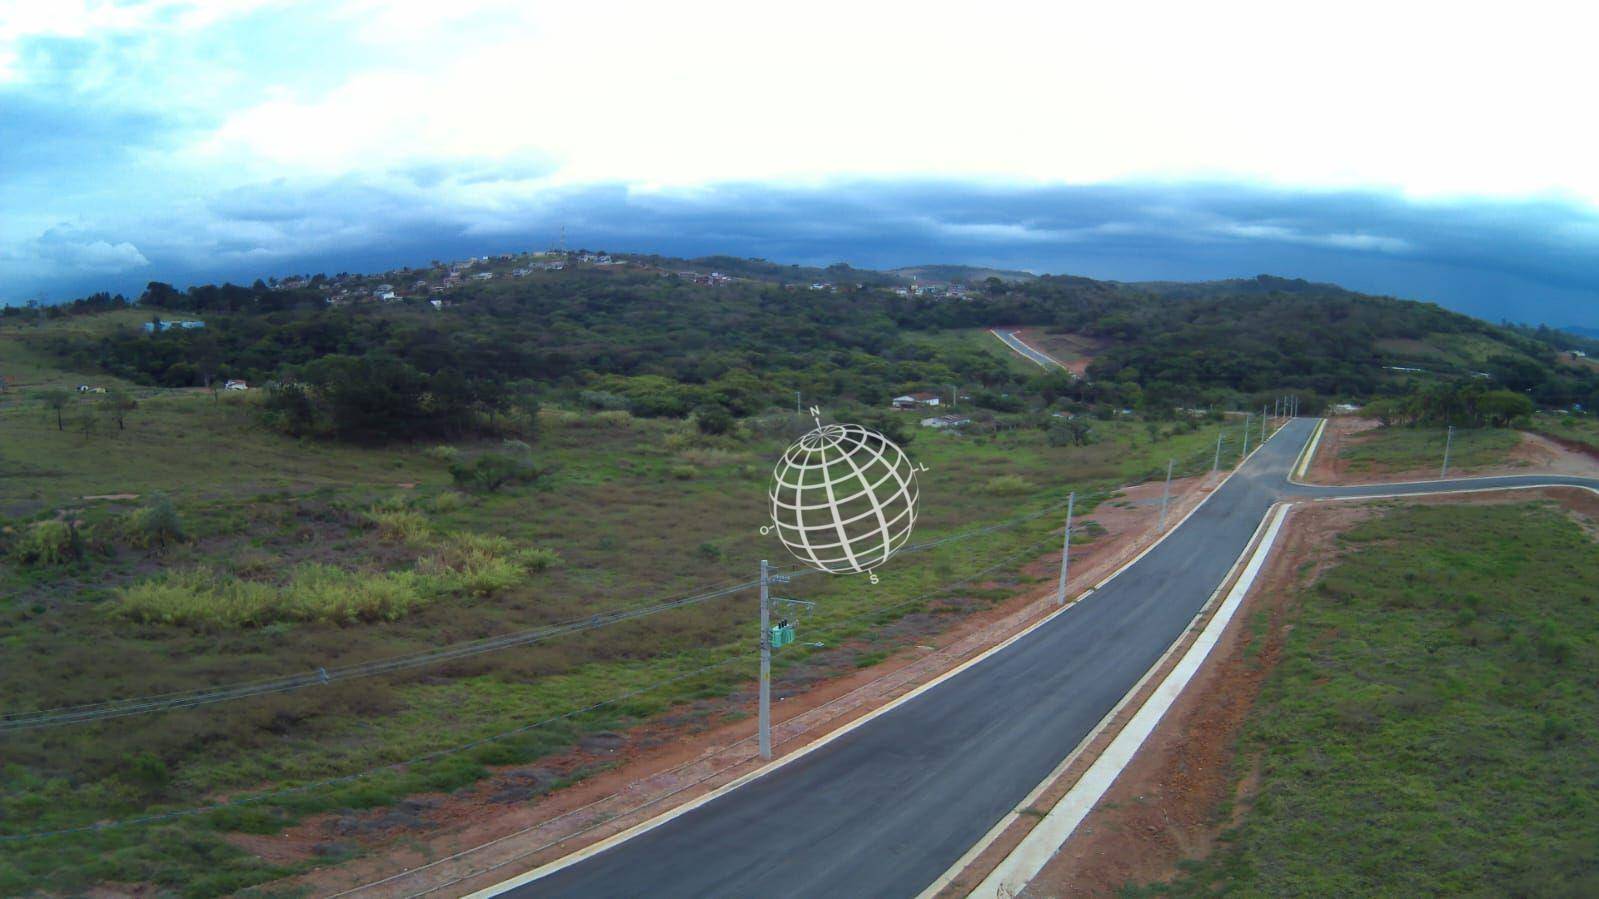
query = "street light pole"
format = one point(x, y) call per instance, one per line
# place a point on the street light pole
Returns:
point(1245, 454)
point(1449, 438)
point(765, 723)
point(1165, 494)
point(1065, 550)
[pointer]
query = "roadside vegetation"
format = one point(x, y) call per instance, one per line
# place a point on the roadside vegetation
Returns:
point(1430, 728)
point(1421, 449)
point(221, 550)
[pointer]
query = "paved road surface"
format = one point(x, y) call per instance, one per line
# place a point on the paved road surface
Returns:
point(1015, 343)
point(887, 808)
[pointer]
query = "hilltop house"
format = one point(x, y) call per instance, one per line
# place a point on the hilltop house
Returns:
point(916, 400)
point(152, 327)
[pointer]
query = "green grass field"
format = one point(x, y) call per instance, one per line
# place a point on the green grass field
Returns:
point(1398, 449)
point(1430, 727)
point(298, 554)
point(1583, 429)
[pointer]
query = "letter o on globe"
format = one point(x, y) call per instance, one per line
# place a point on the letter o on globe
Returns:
point(844, 498)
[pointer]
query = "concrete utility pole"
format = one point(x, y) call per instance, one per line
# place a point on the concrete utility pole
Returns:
point(1449, 438)
point(1165, 494)
point(1245, 454)
point(1216, 465)
point(1066, 550)
point(797, 409)
point(1262, 424)
point(766, 666)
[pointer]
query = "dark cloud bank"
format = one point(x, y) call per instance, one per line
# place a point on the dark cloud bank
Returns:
point(1529, 261)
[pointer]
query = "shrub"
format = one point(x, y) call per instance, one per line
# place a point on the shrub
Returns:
point(683, 472)
point(713, 420)
point(613, 418)
point(447, 455)
point(491, 471)
point(155, 525)
point(48, 543)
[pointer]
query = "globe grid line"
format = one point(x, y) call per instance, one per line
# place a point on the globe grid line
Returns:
point(845, 541)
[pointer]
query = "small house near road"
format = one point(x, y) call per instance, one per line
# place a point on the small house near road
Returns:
point(235, 384)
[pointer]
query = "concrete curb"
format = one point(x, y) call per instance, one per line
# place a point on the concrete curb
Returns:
point(1046, 839)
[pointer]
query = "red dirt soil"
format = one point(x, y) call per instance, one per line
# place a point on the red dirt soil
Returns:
point(457, 842)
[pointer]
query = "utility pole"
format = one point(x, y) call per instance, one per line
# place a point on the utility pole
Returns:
point(1262, 424)
point(1245, 455)
point(766, 666)
point(1277, 407)
point(1066, 550)
point(1449, 438)
point(1216, 465)
point(1165, 494)
point(797, 409)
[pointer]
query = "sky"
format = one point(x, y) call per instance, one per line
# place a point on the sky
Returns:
point(1433, 151)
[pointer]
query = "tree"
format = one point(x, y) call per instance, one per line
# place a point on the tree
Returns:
point(118, 404)
point(57, 399)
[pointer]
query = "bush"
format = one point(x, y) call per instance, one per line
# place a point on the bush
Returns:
point(447, 455)
point(49, 543)
point(491, 471)
point(713, 420)
point(155, 525)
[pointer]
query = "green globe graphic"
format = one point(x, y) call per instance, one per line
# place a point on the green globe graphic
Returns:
point(843, 498)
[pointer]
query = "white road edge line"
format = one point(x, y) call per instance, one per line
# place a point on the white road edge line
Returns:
point(1045, 839)
point(644, 827)
point(1006, 339)
point(1032, 797)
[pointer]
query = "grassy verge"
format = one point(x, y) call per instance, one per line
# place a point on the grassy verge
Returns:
point(296, 555)
point(1430, 728)
point(1418, 449)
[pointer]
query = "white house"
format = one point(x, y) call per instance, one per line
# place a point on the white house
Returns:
point(235, 384)
point(913, 400)
point(951, 420)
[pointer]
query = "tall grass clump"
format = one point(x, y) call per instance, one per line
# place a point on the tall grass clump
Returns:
point(1010, 485)
point(202, 597)
point(399, 526)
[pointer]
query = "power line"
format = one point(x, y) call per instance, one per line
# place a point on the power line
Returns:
point(394, 766)
point(481, 741)
point(188, 699)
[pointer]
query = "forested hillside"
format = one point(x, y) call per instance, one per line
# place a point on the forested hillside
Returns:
point(643, 334)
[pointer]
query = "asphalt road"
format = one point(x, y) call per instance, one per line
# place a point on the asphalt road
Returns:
point(1015, 343)
point(887, 808)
